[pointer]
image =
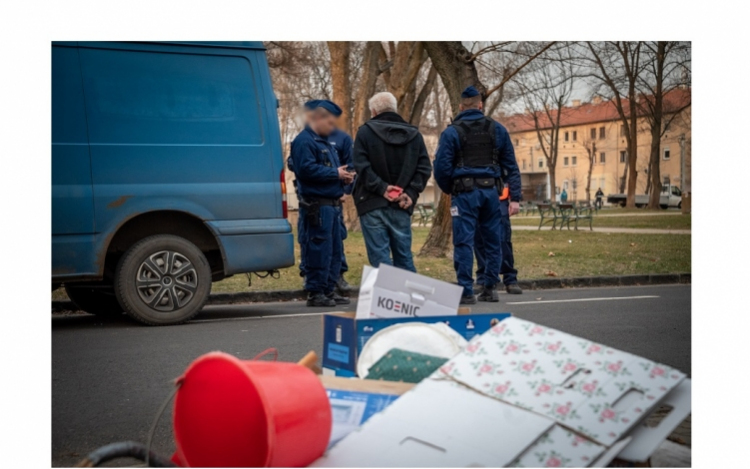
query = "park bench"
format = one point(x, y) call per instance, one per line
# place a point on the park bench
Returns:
point(548, 214)
point(424, 214)
point(565, 211)
point(528, 208)
point(584, 211)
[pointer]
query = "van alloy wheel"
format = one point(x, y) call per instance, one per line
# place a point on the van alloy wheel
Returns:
point(163, 279)
point(166, 281)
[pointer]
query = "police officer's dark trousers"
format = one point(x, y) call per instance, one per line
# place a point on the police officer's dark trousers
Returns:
point(321, 246)
point(472, 211)
point(507, 267)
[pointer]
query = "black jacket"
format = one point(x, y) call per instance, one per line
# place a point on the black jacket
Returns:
point(388, 151)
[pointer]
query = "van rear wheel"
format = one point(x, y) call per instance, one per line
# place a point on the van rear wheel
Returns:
point(94, 299)
point(163, 279)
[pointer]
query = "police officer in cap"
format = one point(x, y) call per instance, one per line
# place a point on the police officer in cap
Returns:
point(321, 179)
point(343, 144)
point(472, 155)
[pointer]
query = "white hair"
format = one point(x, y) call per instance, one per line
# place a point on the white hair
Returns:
point(383, 102)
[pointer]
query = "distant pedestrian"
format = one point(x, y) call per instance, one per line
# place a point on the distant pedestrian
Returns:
point(564, 196)
point(599, 199)
point(393, 168)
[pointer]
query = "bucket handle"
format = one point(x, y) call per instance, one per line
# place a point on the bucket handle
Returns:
point(266, 352)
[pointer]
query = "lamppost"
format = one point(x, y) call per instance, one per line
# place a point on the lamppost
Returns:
point(681, 139)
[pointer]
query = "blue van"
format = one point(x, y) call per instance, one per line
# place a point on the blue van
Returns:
point(167, 174)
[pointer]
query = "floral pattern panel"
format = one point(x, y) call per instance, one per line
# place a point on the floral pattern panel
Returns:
point(575, 381)
point(559, 447)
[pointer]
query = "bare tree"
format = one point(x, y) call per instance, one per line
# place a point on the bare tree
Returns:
point(615, 67)
point(666, 67)
point(590, 147)
point(545, 91)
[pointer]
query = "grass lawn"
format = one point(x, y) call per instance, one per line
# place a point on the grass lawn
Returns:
point(576, 254)
point(674, 222)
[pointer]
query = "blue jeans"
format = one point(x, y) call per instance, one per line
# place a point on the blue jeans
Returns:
point(388, 230)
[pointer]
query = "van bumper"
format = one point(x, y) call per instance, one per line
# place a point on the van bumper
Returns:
point(268, 246)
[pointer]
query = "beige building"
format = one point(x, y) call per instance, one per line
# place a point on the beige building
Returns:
point(597, 125)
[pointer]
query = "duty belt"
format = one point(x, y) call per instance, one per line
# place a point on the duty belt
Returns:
point(467, 184)
point(323, 201)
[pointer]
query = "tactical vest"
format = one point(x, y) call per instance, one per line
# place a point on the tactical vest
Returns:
point(477, 139)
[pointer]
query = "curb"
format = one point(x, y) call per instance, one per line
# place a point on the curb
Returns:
point(538, 284)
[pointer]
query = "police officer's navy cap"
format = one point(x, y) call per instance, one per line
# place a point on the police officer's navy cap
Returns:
point(330, 106)
point(470, 92)
point(312, 104)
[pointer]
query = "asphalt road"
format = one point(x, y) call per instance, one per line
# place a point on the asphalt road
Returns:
point(109, 378)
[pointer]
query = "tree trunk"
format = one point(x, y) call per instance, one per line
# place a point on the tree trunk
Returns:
point(654, 173)
point(370, 72)
point(439, 238)
point(552, 183)
point(451, 60)
point(592, 160)
point(632, 157)
point(342, 95)
point(341, 80)
point(418, 108)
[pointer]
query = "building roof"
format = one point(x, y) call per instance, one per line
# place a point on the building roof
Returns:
point(590, 113)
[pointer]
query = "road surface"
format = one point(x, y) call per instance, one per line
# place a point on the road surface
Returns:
point(109, 378)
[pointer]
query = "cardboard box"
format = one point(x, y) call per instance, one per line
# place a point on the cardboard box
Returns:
point(354, 401)
point(523, 395)
point(344, 335)
point(390, 292)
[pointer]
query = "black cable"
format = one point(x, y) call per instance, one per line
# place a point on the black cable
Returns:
point(124, 449)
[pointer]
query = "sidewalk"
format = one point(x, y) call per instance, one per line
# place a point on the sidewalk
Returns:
point(607, 230)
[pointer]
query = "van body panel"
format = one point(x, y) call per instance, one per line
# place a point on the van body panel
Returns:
point(145, 127)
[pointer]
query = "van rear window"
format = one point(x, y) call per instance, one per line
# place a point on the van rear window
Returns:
point(164, 98)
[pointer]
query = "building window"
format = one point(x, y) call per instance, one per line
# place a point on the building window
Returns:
point(665, 182)
point(516, 142)
point(566, 136)
point(524, 164)
point(574, 160)
point(622, 130)
point(623, 156)
point(575, 135)
point(593, 134)
point(601, 132)
point(666, 154)
point(565, 161)
point(602, 158)
point(541, 163)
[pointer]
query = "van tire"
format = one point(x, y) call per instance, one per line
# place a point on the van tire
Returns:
point(163, 298)
point(93, 300)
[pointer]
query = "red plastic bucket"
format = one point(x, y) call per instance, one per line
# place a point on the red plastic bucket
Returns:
point(234, 413)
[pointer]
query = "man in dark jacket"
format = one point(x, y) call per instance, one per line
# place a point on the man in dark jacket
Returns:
point(392, 167)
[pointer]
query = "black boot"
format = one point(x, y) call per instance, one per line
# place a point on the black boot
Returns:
point(319, 299)
point(513, 289)
point(338, 299)
point(489, 294)
point(468, 300)
point(342, 286)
